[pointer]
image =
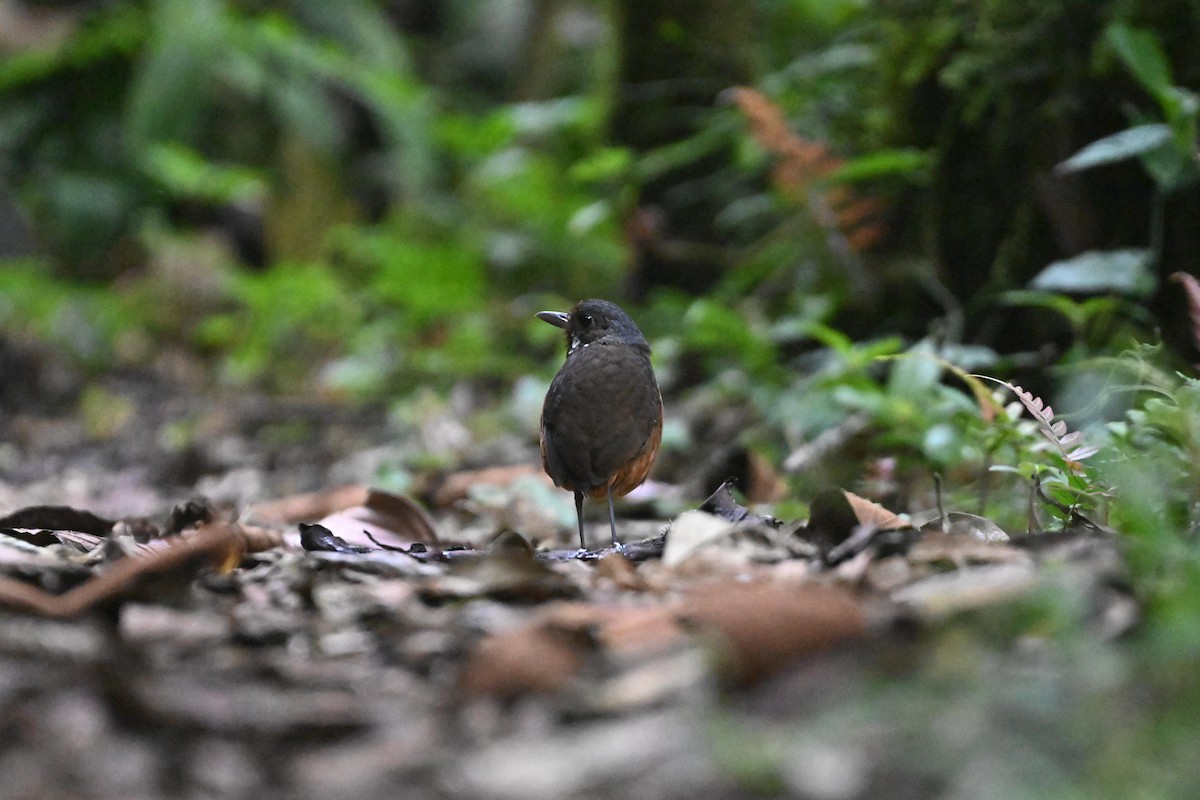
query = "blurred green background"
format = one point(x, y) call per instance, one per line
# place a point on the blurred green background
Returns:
point(359, 196)
point(813, 209)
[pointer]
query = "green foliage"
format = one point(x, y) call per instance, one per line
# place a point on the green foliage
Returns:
point(82, 322)
point(903, 163)
point(1136, 141)
point(1118, 271)
point(1156, 506)
point(1167, 146)
point(898, 403)
point(1100, 294)
point(426, 280)
point(118, 32)
point(1173, 164)
point(158, 96)
point(723, 335)
point(185, 174)
point(287, 318)
point(219, 104)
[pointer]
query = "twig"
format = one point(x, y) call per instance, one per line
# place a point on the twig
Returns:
point(943, 522)
point(802, 457)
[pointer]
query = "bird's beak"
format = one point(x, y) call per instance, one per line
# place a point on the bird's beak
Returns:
point(558, 319)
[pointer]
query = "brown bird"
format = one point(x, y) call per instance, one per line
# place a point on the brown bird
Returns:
point(602, 420)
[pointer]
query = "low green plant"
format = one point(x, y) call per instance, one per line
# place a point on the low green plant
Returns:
point(1155, 475)
point(283, 321)
point(1062, 482)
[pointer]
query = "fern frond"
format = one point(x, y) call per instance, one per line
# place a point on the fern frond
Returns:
point(1067, 442)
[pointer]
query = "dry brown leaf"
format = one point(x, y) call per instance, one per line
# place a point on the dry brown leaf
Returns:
point(873, 515)
point(218, 545)
point(1191, 288)
point(761, 629)
point(548, 653)
point(764, 484)
point(642, 630)
point(619, 570)
point(259, 539)
point(538, 658)
point(835, 513)
point(800, 170)
point(622, 630)
point(765, 627)
point(578, 615)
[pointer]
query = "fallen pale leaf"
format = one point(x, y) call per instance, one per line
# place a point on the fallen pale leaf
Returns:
point(691, 531)
point(962, 523)
point(946, 594)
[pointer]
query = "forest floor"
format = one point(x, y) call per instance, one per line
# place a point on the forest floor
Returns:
point(446, 641)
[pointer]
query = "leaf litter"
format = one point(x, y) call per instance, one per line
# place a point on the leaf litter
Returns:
point(349, 641)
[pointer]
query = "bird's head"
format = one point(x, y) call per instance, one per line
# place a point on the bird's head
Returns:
point(593, 321)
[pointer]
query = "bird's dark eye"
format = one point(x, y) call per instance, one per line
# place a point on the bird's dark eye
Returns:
point(586, 320)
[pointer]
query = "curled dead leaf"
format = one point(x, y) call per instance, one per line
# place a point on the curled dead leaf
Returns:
point(317, 537)
point(57, 518)
point(962, 523)
point(723, 504)
point(378, 519)
point(218, 545)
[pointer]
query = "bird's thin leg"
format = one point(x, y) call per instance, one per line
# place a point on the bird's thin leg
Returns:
point(579, 516)
point(612, 518)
